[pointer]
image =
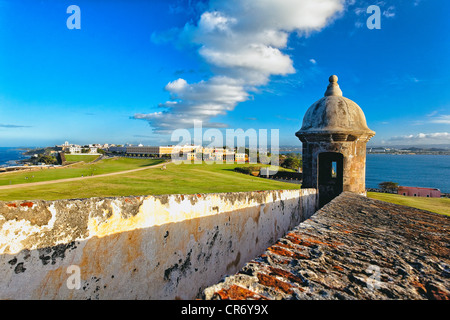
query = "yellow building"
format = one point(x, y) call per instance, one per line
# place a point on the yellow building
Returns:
point(240, 157)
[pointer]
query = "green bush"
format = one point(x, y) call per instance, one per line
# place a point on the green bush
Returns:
point(247, 170)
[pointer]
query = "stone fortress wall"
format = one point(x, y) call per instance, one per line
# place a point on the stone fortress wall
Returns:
point(148, 247)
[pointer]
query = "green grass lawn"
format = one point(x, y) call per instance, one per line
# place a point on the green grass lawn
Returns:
point(437, 205)
point(76, 170)
point(81, 157)
point(176, 179)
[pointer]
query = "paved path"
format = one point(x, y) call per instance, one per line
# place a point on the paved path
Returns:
point(32, 184)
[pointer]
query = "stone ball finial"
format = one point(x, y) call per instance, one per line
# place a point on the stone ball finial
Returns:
point(333, 78)
point(333, 88)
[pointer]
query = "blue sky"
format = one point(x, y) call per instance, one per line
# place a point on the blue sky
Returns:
point(136, 70)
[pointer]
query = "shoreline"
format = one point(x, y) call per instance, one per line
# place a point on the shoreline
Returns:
point(8, 163)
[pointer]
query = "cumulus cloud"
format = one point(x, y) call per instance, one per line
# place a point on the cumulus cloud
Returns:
point(423, 138)
point(198, 101)
point(242, 42)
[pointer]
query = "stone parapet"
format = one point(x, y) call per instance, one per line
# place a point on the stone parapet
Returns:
point(353, 248)
point(148, 247)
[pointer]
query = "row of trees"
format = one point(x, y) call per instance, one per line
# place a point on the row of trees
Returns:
point(291, 161)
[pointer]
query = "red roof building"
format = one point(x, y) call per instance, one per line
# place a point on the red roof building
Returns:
point(419, 192)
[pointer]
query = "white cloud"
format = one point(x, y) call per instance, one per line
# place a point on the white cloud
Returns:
point(177, 85)
point(313, 61)
point(242, 41)
point(198, 101)
point(422, 138)
point(433, 117)
point(401, 80)
point(360, 11)
point(443, 119)
point(359, 24)
point(389, 12)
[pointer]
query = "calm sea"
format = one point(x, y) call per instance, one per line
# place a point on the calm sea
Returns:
point(8, 156)
point(430, 171)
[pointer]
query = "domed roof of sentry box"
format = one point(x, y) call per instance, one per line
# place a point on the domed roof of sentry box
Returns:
point(334, 114)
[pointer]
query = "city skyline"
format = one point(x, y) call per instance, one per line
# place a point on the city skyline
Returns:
point(136, 71)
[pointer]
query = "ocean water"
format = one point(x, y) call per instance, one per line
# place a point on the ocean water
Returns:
point(9, 156)
point(428, 171)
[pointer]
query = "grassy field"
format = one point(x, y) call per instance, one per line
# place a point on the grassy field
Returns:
point(182, 179)
point(76, 170)
point(81, 157)
point(437, 205)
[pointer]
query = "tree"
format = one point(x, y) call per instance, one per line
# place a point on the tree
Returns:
point(388, 186)
point(291, 163)
point(47, 159)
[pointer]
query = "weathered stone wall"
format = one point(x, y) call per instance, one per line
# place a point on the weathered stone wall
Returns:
point(354, 153)
point(352, 248)
point(153, 247)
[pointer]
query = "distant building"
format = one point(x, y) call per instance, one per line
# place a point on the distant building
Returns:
point(240, 157)
point(142, 150)
point(154, 150)
point(208, 154)
point(190, 156)
point(73, 149)
point(117, 149)
point(68, 147)
point(228, 155)
point(419, 192)
point(186, 152)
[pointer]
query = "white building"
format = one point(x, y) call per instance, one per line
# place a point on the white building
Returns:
point(74, 149)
